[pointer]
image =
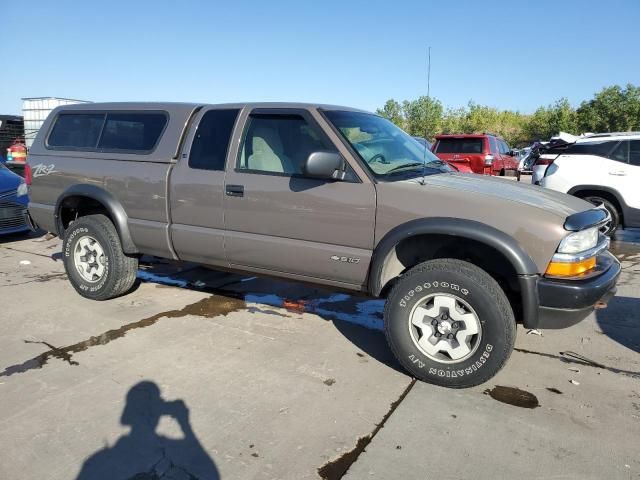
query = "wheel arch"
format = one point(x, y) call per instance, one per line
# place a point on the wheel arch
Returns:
point(88, 199)
point(520, 269)
point(607, 192)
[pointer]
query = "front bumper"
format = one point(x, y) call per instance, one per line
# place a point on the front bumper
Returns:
point(563, 303)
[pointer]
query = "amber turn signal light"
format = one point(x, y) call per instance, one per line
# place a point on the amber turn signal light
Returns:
point(562, 269)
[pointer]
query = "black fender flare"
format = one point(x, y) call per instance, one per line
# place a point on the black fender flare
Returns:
point(113, 206)
point(524, 266)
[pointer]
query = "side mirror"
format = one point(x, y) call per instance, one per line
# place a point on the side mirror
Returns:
point(325, 165)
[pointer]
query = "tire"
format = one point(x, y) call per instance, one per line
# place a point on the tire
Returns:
point(474, 292)
point(611, 208)
point(112, 272)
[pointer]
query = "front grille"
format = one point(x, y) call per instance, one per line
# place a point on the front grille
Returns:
point(8, 194)
point(12, 215)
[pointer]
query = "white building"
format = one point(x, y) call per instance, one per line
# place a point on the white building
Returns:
point(35, 111)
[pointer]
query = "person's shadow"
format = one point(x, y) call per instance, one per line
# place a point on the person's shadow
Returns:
point(142, 454)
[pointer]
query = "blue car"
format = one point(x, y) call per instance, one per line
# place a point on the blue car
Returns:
point(14, 199)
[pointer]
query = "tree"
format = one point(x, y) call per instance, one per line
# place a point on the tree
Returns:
point(423, 116)
point(613, 109)
point(392, 111)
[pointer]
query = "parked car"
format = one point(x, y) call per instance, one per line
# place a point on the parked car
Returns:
point(326, 195)
point(483, 153)
point(14, 199)
point(457, 167)
point(603, 169)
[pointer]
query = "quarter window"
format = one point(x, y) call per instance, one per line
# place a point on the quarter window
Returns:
point(621, 152)
point(132, 131)
point(76, 130)
point(211, 142)
point(279, 144)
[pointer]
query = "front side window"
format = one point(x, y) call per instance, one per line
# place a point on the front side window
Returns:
point(76, 130)
point(211, 142)
point(387, 151)
point(279, 144)
point(132, 131)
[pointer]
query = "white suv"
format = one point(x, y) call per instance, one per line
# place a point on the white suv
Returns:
point(601, 168)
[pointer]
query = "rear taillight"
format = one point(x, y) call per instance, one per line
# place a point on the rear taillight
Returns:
point(27, 174)
point(488, 159)
point(544, 160)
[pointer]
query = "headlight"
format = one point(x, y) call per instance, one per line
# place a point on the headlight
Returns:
point(579, 241)
point(23, 190)
point(577, 253)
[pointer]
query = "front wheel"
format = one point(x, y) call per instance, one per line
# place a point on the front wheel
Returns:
point(614, 224)
point(94, 261)
point(449, 323)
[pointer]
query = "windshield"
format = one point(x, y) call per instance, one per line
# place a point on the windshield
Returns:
point(387, 150)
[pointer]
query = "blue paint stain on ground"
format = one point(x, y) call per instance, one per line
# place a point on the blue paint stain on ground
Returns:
point(339, 306)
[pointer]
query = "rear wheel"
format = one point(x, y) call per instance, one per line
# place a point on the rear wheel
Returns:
point(449, 323)
point(94, 261)
point(614, 224)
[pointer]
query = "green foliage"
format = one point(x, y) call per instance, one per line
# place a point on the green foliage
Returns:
point(612, 109)
point(422, 116)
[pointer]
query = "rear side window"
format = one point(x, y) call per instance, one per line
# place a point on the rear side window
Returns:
point(76, 130)
point(211, 142)
point(601, 149)
point(460, 145)
point(492, 145)
point(132, 131)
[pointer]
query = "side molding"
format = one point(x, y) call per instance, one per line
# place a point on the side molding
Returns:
point(112, 205)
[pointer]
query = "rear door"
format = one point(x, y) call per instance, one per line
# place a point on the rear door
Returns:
point(278, 220)
point(509, 161)
point(623, 171)
point(197, 188)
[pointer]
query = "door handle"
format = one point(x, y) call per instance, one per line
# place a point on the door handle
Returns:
point(618, 173)
point(235, 190)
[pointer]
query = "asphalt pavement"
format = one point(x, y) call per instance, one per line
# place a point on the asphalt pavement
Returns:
point(203, 374)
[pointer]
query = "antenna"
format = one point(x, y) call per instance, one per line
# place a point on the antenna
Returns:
point(424, 159)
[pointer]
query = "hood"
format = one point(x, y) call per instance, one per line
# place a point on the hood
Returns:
point(551, 201)
point(8, 180)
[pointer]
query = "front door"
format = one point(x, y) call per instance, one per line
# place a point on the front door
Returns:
point(278, 220)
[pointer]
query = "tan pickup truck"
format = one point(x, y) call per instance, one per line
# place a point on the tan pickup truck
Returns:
point(326, 195)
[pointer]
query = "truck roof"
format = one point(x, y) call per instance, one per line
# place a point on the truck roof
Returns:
point(186, 105)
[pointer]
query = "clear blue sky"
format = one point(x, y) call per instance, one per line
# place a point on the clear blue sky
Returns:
point(507, 54)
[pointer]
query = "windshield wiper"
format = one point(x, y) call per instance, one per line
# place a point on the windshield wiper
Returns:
point(406, 165)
